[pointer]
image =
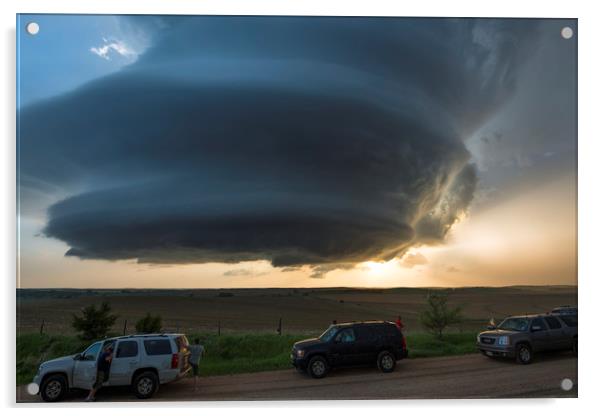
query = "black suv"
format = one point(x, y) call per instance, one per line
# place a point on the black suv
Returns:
point(375, 342)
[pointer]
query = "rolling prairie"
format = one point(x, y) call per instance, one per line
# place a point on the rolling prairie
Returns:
point(259, 310)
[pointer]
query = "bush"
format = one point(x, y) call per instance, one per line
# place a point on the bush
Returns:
point(149, 324)
point(94, 323)
point(438, 315)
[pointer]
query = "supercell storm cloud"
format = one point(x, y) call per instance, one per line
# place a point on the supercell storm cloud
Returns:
point(301, 141)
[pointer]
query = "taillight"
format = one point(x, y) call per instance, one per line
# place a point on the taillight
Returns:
point(175, 360)
point(403, 342)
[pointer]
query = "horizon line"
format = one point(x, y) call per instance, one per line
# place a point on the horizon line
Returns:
point(301, 287)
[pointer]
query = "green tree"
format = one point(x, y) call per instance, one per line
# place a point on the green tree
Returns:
point(94, 323)
point(438, 315)
point(149, 324)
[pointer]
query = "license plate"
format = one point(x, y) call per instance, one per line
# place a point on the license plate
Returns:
point(489, 353)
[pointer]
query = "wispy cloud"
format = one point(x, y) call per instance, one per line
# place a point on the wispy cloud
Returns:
point(243, 272)
point(238, 272)
point(110, 47)
point(413, 259)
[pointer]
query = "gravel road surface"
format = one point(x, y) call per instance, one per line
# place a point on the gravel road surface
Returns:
point(467, 376)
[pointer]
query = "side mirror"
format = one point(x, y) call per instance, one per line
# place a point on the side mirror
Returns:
point(77, 357)
point(337, 340)
point(536, 328)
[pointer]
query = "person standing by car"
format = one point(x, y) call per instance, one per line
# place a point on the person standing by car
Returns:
point(102, 371)
point(196, 352)
point(399, 323)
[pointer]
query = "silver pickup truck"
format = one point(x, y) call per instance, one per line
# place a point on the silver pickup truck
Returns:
point(520, 337)
point(141, 361)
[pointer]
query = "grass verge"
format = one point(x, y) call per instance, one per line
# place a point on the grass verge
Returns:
point(230, 353)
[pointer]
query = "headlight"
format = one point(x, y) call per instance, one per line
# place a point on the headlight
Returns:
point(300, 353)
point(503, 340)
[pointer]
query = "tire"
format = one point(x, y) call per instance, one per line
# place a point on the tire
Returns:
point(145, 385)
point(386, 362)
point(317, 367)
point(54, 388)
point(575, 347)
point(524, 354)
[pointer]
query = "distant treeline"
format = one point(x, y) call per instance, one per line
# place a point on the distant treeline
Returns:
point(67, 293)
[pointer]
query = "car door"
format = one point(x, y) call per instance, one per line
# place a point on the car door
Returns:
point(84, 367)
point(559, 338)
point(125, 362)
point(540, 337)
point(365, 349)
point(570, 326)
point(344, 347)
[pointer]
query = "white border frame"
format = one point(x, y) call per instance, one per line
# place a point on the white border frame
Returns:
point(589, 35)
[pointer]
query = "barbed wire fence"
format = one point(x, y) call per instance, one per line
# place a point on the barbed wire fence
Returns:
point(280, 326)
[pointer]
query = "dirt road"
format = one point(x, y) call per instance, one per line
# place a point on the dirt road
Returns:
point(468, 376)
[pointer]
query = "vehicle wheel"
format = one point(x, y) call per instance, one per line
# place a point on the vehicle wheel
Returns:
point(317, 367)
point(524, 355)
point(575, 347)
point(145, 385)
point(386, 362)
point(54, 388)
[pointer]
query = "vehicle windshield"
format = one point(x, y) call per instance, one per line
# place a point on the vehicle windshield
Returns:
point(514, 324)
point(329, 333)
point(91, 353)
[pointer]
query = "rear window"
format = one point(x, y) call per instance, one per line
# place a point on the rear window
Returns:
point(392, 330)
point(569, 320)
point(379, 331)
point(552, 322)
point(365, 332)
point(157, 347)
point(127, 349)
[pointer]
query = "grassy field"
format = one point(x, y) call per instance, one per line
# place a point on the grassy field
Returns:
point(259, 310)
point(229, 353)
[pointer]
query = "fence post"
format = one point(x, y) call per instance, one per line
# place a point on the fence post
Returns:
point(280, 326)
point(125, 326)
point(42, 328)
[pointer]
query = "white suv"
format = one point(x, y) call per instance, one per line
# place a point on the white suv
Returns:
point(142, 361)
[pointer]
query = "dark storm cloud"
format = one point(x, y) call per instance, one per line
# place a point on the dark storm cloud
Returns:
point(323, 141)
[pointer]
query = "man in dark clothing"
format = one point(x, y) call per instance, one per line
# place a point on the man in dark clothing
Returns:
point(102, 371)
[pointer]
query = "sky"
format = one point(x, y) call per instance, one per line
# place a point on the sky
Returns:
point(215, 151)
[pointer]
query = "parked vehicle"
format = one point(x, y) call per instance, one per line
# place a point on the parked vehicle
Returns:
point(522, 336)
point(565, 310)
point(375, 342)
point(140, 361)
